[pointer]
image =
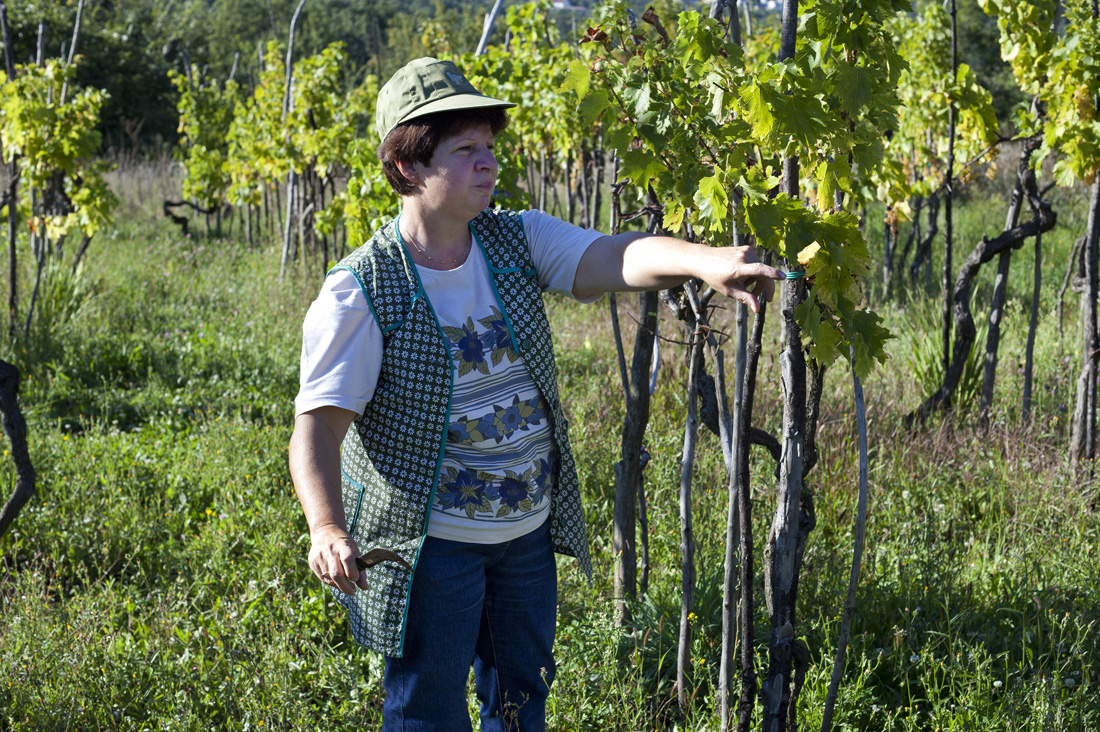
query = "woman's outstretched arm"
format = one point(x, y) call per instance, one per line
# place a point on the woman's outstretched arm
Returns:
point(640, 261)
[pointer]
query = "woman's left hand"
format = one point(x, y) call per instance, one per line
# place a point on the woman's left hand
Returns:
point(737, 272)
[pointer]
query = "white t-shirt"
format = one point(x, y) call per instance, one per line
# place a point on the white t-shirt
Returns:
point(498, 460)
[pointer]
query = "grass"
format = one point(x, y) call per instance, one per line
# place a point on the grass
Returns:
point(158, 578)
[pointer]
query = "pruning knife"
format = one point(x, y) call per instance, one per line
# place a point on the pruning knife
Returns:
point(379, 555)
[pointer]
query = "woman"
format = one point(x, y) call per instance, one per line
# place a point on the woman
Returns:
point(431, 339)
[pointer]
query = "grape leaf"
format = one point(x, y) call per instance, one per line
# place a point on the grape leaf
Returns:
point(854, 86)
point(760, 106)
point(819, 333)
point(577, 78)
point(713, 202)
point(867, 337)
point(640, 165)
point(673, 219)
point(592, 106)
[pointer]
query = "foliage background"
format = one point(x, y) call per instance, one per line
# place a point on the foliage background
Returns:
point(128, 46)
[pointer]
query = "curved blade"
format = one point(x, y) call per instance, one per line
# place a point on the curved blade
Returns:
point(379, 555)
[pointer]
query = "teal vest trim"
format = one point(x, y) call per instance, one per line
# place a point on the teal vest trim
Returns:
point(391, 457)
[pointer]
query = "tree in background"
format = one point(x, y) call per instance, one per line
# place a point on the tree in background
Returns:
point(128, 48)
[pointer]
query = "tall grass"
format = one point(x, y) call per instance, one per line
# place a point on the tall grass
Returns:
point(158, 579)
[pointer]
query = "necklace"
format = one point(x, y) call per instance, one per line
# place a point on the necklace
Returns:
point(442, 262)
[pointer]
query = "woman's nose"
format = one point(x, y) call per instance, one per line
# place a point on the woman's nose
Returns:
point(488, 160)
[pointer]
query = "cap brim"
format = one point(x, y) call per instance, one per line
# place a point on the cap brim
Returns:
point(454, 103)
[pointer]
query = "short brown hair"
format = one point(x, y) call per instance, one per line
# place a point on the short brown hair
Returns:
point(415, 141)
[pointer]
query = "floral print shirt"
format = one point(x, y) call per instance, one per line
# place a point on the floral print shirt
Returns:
point(498, 463)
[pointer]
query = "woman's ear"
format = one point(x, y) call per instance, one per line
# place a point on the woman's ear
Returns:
point(408, 171)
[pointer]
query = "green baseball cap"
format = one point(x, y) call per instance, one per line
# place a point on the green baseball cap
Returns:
point(426, 86)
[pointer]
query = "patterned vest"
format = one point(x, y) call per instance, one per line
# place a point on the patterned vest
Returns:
point(390, 460)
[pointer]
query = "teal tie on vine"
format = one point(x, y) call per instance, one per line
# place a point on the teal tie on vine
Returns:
point(796, 275)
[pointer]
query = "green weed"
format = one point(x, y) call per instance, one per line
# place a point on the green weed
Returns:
point(158, 578)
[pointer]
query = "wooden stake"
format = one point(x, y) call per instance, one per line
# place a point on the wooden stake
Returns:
point(857, 554)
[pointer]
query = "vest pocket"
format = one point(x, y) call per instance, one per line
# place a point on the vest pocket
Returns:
point(353, 501)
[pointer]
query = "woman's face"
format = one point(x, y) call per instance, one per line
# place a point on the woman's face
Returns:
point(461, 175)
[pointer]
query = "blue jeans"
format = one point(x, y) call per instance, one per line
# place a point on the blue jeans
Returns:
point(490, 605)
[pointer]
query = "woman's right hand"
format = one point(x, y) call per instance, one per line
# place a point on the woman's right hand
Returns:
point(332, 554)
point(314, 455)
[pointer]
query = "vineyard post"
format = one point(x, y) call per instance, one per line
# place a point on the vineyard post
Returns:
point(996, 308)
point(1033, 324)
point(612, 303)
point(36, 237)
point(913, 235)
point(599, 163)
point(185, 59)
point(324, 237)
point(487, 28)
point(582, 181)
point(1075, 272)
point(278, 204)
point(1083, 442)
point(570, 197)
point(376, 37)
point(268, 218)
point(544, 178)
point(1036, 286)
point(11, 195)
point(271, 18)
point(889, 244)
point(782, 548)
point(550, 168)
point(72, 48)
point(288, 99)
point(923, 255)
point(687, 538)
point(588, 162)
point(857, 554)
point(81, 251)
point(40, 49)
point(733, 30)
point(742, 490)
point(38, 249)
point(628, 471)
point(933, 229)
point(288, 107)
point(949, 184)
point(731, 574)
point(303, 215)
